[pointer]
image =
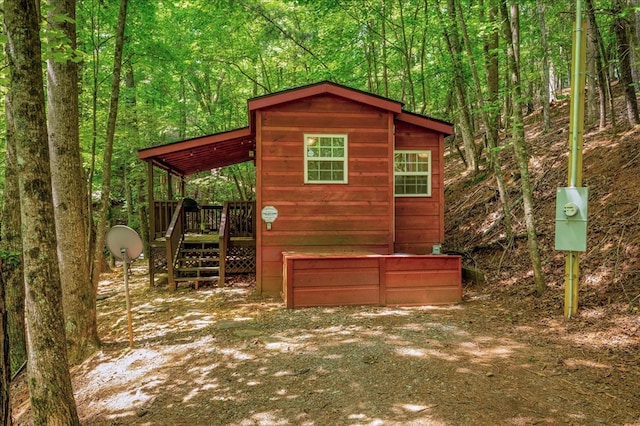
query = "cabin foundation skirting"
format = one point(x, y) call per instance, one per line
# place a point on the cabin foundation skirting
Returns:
point(396, 280)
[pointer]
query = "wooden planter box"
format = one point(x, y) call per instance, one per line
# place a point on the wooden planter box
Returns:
point(370, 279)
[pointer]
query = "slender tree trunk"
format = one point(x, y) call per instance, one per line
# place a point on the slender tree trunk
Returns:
point(49, 381)
point(520, 148)
point(143, 211)
point(78, 298)
point(626, 77)
point(546, 85)
point(5, 379)
point(490, 46)
point(11, 243)
point(407, 56)
point(101, 229)
point(604, 88)
point(385, 71)
point(592, 82)
point(90, 238)
point(455, 52)
point(492, 142)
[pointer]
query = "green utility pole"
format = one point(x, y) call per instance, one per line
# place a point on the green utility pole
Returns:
point(571, 202)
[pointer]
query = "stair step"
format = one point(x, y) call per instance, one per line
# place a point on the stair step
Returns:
point(199, 250)
point(199, 269)
point(200, 258)
point(212, 278)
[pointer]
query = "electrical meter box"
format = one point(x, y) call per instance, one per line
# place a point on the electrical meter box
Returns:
point(571, 219)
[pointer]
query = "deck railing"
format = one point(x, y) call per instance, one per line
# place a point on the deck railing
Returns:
point(205, 220)
point(242, 218)
point(163, 212)
point(173, 237)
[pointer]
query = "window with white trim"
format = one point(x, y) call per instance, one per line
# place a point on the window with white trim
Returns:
point(325, 158)
point(412, 173)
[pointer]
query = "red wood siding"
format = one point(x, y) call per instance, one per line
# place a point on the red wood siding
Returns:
point(419, 221)
point(316, 217)
point(333, 280)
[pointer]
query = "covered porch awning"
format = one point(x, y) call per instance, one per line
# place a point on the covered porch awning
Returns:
point(203, 153)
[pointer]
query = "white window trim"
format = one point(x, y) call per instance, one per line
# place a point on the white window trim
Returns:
point(429, 173)
point(345, 159)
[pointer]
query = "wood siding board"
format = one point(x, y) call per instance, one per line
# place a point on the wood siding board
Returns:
point(407, 208)
point(336, 122)
point(334, 262)
point(335, 277)
point(320, 208)
point(435, 278)
point(347, 239)
point(324, 193)
point(418, 248)
point(413, 263)
point(331, 296)
point(417, 297)
point(409, 223)
point(333, 223)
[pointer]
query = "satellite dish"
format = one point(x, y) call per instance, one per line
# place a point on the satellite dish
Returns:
point(122, 239)
point(125, 243)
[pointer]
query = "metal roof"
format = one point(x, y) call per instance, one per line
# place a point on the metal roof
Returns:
point(203, 153)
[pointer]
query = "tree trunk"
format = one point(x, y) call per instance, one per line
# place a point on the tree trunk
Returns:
point(546, 84)
point(5, 379)
point(464, 115)
point(492, 141)
point(105, 204)
point(11, 243)
point(626, 78)
point(490, 45)
point(604, 89)
point(385, 68)
point(49, 381)
point(520, 148)
point(78, 298)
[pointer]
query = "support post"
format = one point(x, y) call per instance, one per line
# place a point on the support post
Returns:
point(152, 223)
point(576, 126)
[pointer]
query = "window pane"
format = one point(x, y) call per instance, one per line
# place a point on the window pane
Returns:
point(325, 156)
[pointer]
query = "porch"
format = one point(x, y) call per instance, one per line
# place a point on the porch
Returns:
point(201, 244)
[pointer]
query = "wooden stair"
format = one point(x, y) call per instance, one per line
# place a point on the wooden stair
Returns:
point(198, 262)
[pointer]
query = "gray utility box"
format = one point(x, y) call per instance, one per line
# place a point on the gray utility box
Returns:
point(571, 219)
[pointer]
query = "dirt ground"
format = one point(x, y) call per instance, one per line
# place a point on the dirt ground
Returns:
point(225, 357)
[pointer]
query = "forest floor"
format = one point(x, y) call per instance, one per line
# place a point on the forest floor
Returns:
point(504, 356)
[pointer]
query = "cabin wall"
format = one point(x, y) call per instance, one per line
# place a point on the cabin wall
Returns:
point(419, 221)
point(357, 216)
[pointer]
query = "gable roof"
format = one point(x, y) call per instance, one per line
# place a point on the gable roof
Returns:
point(237, 146)
point(321, 88)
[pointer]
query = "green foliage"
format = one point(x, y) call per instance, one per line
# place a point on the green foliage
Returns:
point(194, 63)
point(10, 258)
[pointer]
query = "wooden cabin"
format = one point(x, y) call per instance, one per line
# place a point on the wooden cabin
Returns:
point(349, 202)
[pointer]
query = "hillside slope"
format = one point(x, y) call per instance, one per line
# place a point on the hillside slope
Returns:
point(610, 270)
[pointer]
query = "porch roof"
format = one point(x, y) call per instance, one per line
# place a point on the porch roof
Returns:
point(203, 153)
